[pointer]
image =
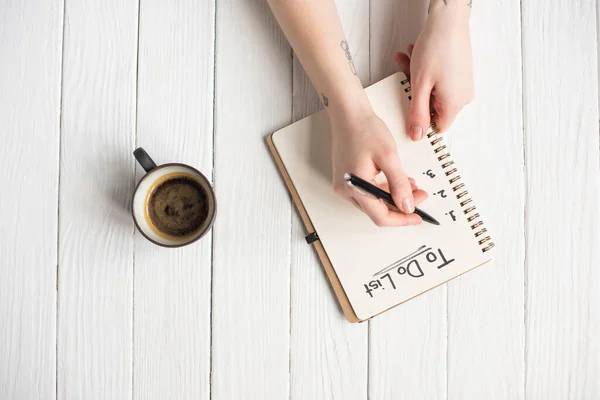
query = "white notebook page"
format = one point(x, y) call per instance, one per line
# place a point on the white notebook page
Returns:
point(382, 267)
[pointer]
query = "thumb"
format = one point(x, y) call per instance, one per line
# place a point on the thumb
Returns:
point(400, 187)
point(444, 116)
point(419, 117)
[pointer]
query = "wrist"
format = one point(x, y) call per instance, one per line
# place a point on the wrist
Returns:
point(348, 107)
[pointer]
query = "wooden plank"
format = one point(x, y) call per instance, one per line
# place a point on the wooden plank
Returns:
point(175, 124)
point(485, 307)
point(30, 76)
point(407, 357)
point(328, 355)
point(95, 298)
point(563, 183)
point(251, 262)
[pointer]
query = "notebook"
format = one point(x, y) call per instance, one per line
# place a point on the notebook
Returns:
point(373, 269)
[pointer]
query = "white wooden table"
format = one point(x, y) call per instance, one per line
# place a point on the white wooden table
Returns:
point(90, 310)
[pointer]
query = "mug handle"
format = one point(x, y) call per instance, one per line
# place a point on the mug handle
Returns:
point(144, 159)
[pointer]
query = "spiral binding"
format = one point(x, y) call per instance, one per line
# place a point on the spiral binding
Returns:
point(473, 217)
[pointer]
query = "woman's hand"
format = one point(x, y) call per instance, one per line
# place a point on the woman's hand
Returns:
point(364, 146)
point(362, 143)
point(440, 68)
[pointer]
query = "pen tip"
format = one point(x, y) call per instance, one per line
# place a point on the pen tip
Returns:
point(347, 176)
point(433, 221)
point(430, 219)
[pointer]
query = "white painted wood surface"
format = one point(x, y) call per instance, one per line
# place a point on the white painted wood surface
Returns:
point(485, 307)
point(251, 261)
point(30, 66)
point(562, 296)
point(89, 309)
point(171, 356)
point(95, 271)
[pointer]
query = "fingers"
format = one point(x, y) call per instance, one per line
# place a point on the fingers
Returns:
point(419, 117)
point(419, 195)
point(404, 62)
point(381, 215)
point(443, 121)
point(400, 186)
point(420, 113)
point(355, 203)
point(444, 115)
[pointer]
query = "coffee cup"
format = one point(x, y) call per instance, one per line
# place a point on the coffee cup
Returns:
point(173, 204)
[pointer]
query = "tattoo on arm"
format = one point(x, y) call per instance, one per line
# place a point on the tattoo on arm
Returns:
point(346, 48)
point(469, 4)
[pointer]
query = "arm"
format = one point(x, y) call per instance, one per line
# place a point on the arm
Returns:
point(314, 30)
point(361, 142)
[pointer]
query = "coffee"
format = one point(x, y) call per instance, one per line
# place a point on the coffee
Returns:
point(178, 206)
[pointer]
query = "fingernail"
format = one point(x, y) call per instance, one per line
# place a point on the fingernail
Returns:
point(408, 206)
point(416, 132)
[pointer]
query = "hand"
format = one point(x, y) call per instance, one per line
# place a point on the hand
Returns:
point(440, 68)
point(364, 146)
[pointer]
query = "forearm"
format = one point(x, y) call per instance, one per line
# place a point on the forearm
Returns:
point(314, 30)
point(459, 9)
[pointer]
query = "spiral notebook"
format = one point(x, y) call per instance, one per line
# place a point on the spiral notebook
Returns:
point(373, 269)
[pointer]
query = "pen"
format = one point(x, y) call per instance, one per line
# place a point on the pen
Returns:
point(385, 196)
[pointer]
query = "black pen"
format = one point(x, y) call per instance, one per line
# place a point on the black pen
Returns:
point(383, 195)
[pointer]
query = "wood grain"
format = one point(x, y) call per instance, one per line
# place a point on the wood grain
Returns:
point(31, 48)
point(251, 267)
point(328, 355)
point(112, 325)
point(407, 345)
point(95, 297)
point(175, 124)
point(563, 183)
point(486, 307)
